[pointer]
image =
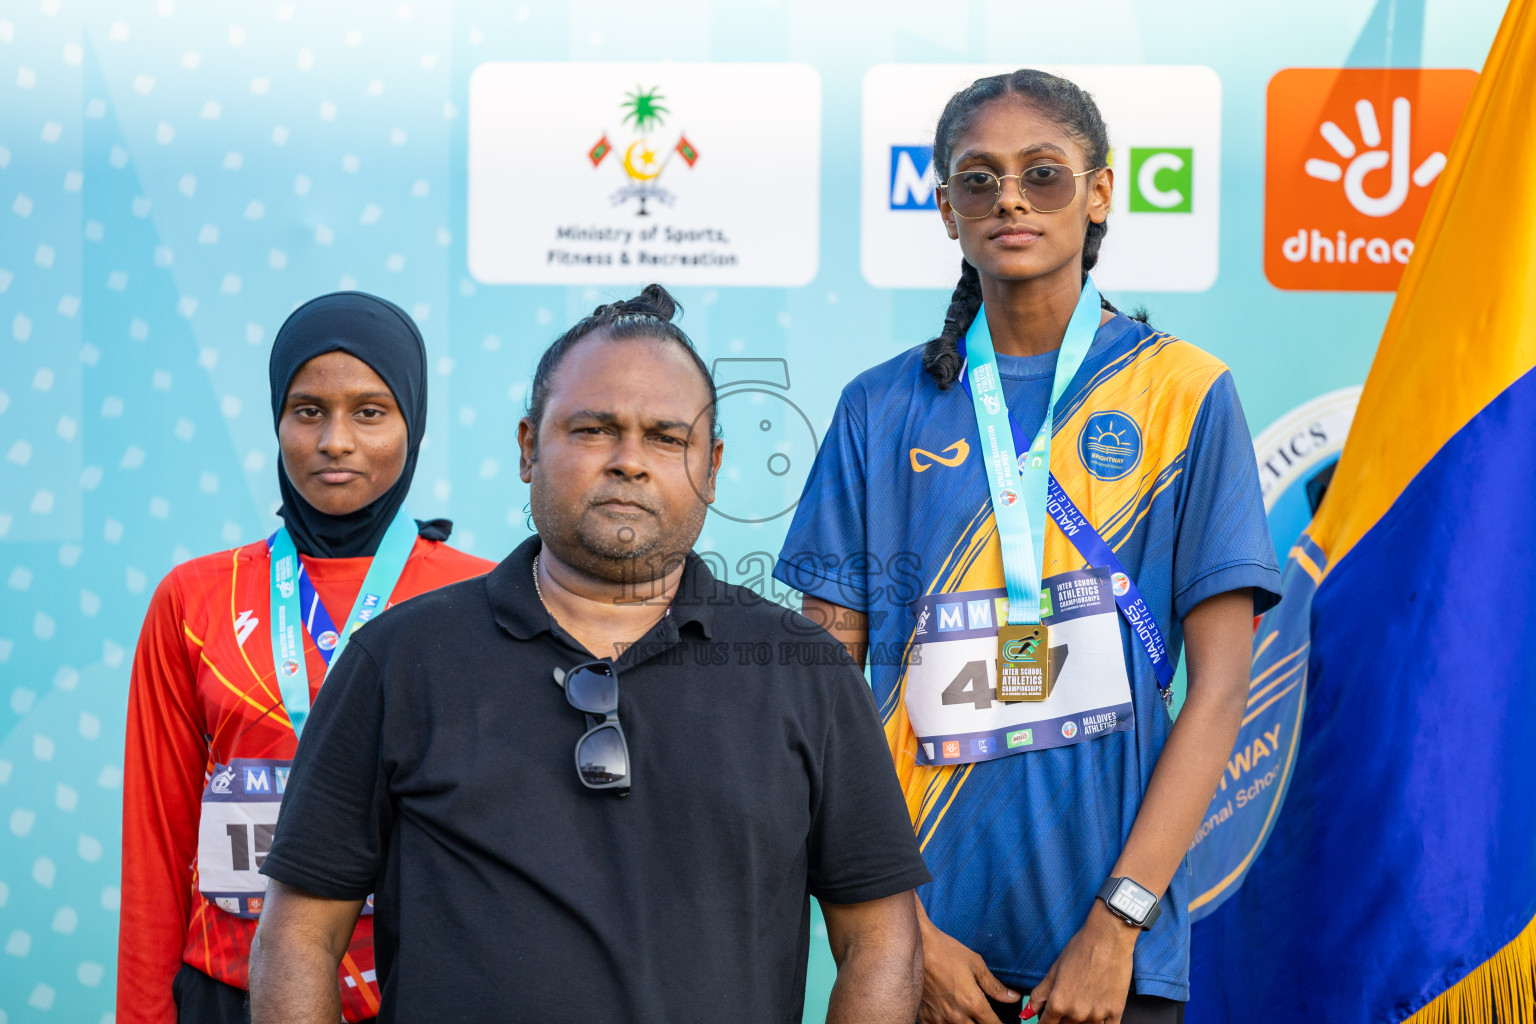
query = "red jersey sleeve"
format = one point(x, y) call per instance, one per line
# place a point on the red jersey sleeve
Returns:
point(163, 771)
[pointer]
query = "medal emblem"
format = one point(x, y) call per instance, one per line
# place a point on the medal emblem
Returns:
point(327, 641)
point(1023, 654)
point(1008, 496)
point(290, 667)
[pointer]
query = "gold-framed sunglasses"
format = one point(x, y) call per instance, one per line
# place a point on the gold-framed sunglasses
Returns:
point(1047, 188)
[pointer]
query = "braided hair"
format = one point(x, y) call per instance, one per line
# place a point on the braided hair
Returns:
point(1074, 110)
point(647, 315)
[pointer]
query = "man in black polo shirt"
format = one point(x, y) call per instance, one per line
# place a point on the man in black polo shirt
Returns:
point(575, 788)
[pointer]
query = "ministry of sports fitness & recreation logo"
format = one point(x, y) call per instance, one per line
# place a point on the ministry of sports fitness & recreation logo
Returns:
point(1351, 157)
point(641, 173)
point(643, 160)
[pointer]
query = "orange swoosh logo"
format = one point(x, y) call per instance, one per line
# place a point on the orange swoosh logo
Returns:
point(960, 448)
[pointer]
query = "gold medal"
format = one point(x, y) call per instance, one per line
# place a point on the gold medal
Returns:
point(1023, 662)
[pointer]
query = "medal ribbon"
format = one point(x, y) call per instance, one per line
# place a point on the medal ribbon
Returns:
point(293, 593)
point(1018, 484)
point(1094, 549)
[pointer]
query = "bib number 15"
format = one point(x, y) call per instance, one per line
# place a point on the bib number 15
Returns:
point(244, 848)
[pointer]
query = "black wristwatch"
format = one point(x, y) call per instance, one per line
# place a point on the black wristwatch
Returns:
point(1130, 902)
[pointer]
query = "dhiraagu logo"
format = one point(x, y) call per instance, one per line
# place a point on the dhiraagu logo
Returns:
point(1162, 180)
point(1020, 738)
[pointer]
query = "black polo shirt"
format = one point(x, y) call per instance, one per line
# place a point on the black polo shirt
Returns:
point(437, 770)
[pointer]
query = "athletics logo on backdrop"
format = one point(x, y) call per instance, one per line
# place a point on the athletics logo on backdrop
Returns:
point(638, 173)
point(1166, 126)
point(1351, 157)
point(1296, 456)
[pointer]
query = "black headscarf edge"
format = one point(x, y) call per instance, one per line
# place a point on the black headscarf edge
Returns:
point(383, 335)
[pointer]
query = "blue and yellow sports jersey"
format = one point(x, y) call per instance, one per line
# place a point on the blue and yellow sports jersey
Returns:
point(1151, 443)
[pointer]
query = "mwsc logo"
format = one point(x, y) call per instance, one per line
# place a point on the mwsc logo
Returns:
point(911, 188)
point(1161, 179)
point(1351, 156)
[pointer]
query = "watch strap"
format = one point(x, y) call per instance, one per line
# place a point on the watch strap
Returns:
point(1108, 889)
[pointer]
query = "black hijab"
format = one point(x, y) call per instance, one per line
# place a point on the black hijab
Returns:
point(380, 334)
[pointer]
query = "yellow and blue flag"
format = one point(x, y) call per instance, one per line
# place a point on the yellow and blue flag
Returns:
point(1397, 880)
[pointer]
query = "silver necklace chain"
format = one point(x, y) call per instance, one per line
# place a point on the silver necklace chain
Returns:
point(540, 590)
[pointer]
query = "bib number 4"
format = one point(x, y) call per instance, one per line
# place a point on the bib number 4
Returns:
point(973, 684)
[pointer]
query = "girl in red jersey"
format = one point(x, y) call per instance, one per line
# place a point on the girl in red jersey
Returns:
point(213, 713)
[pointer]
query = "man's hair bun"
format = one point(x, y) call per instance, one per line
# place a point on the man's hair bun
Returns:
point(653, 301)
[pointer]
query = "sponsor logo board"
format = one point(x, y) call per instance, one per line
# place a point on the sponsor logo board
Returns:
point(1165, 130)
point(1351, 156)
point(642, 172)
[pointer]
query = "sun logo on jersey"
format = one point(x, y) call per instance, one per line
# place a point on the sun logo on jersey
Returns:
point(1110, 445)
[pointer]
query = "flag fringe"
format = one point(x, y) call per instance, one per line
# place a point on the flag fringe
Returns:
point(1502, 990)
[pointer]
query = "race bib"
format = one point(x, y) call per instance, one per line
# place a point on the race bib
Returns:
point(951, 684)
point(240, 804)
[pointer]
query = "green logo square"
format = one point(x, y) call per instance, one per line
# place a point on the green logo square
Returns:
point(1021, 738)
point(1162, 180)
point(1045, 603)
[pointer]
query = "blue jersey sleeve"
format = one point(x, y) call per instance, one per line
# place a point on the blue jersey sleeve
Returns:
point(1223, 537)
point(825, 553)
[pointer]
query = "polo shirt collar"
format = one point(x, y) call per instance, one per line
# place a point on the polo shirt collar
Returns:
point(517, 607)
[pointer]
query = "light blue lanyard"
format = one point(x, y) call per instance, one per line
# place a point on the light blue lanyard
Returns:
point(1018, 485)
point(287, 613)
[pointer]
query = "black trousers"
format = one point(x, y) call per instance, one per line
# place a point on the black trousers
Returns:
point(1138, 1010)
point(203, 1000)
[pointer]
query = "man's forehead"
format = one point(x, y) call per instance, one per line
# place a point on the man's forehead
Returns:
point(636, 379)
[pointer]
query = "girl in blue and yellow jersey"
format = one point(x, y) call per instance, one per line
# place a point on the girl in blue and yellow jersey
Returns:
point(1022, 523)
point(236, 644)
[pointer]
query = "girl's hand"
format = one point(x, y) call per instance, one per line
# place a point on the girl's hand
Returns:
point(1090, 981)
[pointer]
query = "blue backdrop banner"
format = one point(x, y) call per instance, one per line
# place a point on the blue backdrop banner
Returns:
point(176, 176)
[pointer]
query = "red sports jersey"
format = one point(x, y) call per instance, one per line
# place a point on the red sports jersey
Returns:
point(204, 693)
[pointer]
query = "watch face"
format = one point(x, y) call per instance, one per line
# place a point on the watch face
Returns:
point(1132, 900)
